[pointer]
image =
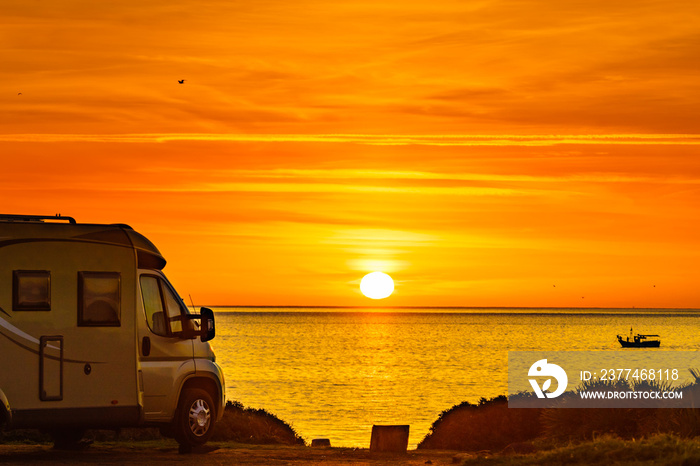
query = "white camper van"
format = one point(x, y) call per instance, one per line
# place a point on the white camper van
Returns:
point(92, 335)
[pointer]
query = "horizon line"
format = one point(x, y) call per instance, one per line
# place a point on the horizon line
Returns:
point(446, 307)
point(371, 139)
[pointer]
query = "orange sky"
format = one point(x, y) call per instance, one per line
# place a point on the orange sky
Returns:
point(483, 153)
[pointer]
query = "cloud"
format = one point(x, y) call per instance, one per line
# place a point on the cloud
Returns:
point(368, 67)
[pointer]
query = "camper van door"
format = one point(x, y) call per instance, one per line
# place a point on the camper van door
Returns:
point(166, 359)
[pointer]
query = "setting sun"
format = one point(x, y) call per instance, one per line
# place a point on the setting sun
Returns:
point(377, 285)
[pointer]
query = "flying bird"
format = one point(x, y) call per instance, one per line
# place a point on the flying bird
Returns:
point(19, 93)
point(181, 81)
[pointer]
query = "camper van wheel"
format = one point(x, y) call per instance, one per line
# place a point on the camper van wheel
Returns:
point(196, 417)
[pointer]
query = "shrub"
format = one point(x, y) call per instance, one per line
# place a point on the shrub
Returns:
point(488, 425)
point(587, 423)
point(491, 425)
point(249, 425)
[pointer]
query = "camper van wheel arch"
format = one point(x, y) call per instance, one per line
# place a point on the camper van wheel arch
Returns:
point(4, 418)
point(196, 416)
point(5, 411)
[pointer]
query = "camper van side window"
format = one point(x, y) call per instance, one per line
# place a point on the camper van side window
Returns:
point(31, 290)
point(99, 299)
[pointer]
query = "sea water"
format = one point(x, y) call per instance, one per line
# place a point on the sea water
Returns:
point(333, 373)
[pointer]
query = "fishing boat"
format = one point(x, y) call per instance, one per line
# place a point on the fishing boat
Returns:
point(639, 341)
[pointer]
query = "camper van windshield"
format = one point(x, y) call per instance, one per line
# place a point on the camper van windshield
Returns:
point(163, 308)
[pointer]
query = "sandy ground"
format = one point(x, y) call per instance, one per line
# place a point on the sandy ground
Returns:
point(120, 453)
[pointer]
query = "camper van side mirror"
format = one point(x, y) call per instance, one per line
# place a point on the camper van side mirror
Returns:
point(188, 332)
point(208, 326)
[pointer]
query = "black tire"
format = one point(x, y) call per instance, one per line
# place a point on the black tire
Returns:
point(196, 416)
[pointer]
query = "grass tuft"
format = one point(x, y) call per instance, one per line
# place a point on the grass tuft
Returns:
point(606, 450)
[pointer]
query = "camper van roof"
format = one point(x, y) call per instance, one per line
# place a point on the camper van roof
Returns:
point(44, 218)
point(59, 228)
